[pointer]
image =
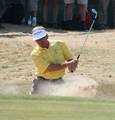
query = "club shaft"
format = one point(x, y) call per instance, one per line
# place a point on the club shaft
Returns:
point(86, 39)
point(88, 35)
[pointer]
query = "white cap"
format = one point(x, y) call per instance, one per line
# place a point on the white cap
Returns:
point(39, 34)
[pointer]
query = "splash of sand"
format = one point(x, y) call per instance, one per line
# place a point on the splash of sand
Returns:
point(72, 85)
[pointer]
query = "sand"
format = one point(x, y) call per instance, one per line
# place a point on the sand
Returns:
point(96, 67)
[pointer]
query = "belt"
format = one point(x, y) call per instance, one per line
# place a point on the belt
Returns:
point(49, 79)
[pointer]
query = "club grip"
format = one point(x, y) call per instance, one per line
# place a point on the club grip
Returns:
point(78, 56)
point(77, 59)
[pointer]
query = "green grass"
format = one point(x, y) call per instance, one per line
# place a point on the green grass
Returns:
point(55, 108)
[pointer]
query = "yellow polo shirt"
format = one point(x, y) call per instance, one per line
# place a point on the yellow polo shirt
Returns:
point(57, 53)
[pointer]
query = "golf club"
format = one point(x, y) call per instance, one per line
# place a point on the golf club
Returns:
point(94, 18)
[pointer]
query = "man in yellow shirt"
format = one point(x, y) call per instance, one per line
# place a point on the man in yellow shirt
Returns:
point(50, 58)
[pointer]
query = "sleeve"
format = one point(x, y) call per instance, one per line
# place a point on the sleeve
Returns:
point(40, 63)
point(66, 52)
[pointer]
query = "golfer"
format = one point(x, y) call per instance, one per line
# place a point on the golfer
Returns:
point(51, 58)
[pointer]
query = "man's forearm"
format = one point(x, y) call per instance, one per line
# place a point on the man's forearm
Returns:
point(71, 65)
point(54, 67)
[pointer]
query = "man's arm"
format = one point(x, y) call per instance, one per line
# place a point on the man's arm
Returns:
point(54, 67)
point(70, 64)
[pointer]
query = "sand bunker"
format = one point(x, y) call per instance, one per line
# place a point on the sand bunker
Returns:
point(9, 89)
point(72, 85)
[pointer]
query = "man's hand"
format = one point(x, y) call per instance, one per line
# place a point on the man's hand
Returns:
point(72, 65)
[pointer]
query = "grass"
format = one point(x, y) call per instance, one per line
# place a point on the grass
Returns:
point(55, 108)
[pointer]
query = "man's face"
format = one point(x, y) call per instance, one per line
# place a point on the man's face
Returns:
point(44, 43)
